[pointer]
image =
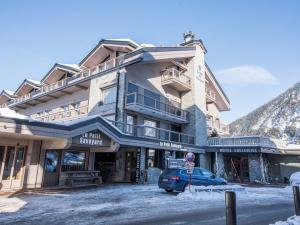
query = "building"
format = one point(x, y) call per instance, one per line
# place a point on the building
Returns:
point(125, 108)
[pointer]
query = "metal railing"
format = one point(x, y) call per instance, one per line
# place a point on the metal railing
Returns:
point(63, 115)
point(172, 73)
point(154, 133)
point(67, 81)
point(242, 141)
point(156, 105)
point(210, 94)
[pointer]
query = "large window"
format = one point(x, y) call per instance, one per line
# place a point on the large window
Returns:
point(66, 111)
point(109, 95)
point(132, 93)
point(73, 161)
point(150, 128)
point(51, 161)
point(151, 99)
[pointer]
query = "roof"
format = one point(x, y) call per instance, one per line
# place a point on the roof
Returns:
point(125, 41)
point(66, 67)
point(9, 113)
point(32, 83)
point(8, 93)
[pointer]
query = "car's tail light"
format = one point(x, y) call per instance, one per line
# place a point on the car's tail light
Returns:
point(175, 178)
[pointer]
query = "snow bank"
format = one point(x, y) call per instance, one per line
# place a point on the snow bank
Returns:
point(295, 179)
point(6, 112)
point(293, 220)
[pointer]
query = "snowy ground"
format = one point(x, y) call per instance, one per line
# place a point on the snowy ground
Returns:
point(121, 204)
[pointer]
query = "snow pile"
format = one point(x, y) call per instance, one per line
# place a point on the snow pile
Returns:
point(9, 113)
point(9, 205)
point(293, 220)
point(295, 179)
point(208, 192)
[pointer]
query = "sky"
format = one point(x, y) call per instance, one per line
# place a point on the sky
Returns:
point(253, 46)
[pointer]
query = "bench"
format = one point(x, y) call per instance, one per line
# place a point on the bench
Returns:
point(82, 178)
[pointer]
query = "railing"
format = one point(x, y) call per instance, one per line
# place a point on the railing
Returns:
point(242, 141)
point(63, 115)
point(178, 75)
point(154, 104)
point(219, 127)
point(154, 133)
point(76, 77)
point(210, 94)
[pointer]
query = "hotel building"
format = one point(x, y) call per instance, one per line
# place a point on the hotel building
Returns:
point(124, 109)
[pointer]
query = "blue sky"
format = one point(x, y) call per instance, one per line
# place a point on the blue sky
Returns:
point(253, 46)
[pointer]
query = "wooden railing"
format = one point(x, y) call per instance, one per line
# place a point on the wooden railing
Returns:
point(210, 94)
point(68, 81)
point(175, 74)
point(63, 115)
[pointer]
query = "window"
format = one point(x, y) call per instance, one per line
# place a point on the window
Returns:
point(73, 161)
point(66, 111)
point(132, 91)
point(150, 128)
point(129, 124)
point(109, 95)
point(76, 107)
point(51, 161)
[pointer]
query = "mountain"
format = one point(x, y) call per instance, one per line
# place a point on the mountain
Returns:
point(279, 118)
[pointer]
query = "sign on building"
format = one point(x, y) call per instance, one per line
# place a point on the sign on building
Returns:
point(93, 138)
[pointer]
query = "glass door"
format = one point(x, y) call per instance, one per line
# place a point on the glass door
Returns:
point(12, 166)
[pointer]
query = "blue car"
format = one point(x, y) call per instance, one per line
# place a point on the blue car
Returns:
point(178, 179)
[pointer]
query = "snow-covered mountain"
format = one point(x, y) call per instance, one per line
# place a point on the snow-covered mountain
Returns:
point(279, 118)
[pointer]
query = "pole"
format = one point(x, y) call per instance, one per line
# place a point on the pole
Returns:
point(296, 200)
point(230, 202)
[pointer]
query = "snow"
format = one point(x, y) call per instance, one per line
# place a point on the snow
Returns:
point(123, 39)
point(34, 81)
point(9, 92)
point(293, 220)
point(122, 202)
point(295, 179)
point(75, 66)
point(147, 45)
point(9, 113)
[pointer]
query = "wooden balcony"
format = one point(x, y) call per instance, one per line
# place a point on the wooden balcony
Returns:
point(176, 80)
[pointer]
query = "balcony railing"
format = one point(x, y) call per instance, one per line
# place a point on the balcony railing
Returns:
point(221, 128)
point(242, 141)
point(210, 94)
point(156, 105)
point(67, 81)
point(172, 73)
point(70, 114)
point(154, 133)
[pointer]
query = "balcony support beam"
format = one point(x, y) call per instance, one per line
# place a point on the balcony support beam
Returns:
point(81, 86)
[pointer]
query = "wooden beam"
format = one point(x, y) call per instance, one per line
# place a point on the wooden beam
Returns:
point(40, 101)
point(66, 92)
point(51, 96)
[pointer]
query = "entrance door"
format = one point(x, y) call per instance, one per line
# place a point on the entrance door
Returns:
point(130, 166)
point(51, 168)
point(12, 167)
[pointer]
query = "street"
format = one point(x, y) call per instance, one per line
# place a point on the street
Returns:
point(137, 204)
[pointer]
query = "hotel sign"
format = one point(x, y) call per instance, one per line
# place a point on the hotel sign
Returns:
point(239, 150)
point(92, 138)
point(170, 145)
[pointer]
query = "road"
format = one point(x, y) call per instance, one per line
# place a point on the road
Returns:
point(247, 215)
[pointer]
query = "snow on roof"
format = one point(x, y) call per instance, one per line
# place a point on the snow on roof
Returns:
point(293, 146)
point(147, 45)
point(75, 66)
point(34, 81)
point(123, 39)
point(9, 113)
point(9, 92)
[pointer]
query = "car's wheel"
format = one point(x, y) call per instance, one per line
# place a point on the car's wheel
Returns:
point(168, 190)
point(184, 187)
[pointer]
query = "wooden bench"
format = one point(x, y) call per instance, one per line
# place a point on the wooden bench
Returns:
point(81, 178)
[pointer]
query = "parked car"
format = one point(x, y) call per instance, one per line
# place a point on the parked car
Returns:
point(295, 179)
point(178, 179)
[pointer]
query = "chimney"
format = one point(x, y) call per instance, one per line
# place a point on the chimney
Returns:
point(188, 36)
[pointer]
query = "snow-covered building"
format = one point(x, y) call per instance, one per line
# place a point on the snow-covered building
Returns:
point(123, 109)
